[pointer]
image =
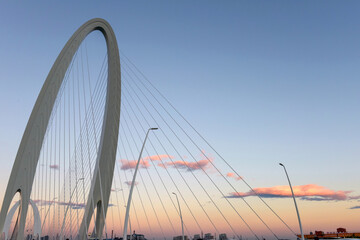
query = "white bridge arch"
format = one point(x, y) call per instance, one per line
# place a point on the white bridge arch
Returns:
point(37, 220)
point(23, 171)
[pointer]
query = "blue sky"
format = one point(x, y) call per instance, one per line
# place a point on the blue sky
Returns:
point(264, 81)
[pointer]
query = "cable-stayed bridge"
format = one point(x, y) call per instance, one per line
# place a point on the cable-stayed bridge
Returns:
point(75, 166)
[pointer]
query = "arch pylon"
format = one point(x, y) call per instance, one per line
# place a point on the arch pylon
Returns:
point(37, 220)
point(24, 168)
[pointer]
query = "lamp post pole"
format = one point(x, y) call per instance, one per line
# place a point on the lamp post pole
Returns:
point(67, 208)
point(182, 223)
point(133, 184)
point(297, 210)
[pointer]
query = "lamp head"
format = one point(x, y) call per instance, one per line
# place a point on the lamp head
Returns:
point(153, 128)
point(281, 164)
point(173, 193)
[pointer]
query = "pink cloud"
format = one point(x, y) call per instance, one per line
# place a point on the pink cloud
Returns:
point(131, 164)
point(130, 182)
point(310, 192)
point(144, 162)
point(205, 155)
point(54, 166)
point(232, 175)
point(204, 163)
point(162, 165)
point(158, 157)
point(190, 166)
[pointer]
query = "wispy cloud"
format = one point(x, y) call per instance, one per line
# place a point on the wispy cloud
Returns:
point(131, 164)
point(54, 166)
point(190, 166)
point(158, 157)
point(144, 162)
point(72, 205)
point(232, 175)
point(40, 202)
point(309, 192)
point(355, 207)
point(116, 189)
point(204, 163)
point(163, 165)
point(130, 182)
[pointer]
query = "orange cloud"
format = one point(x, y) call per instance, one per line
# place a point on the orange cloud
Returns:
point(232, 175)
point(131, 164)
point(144, 162)
point(204, 163)
point(158, 157)
point(206, 156)
point(162, 165)
point(190, 166)
point(310, 192)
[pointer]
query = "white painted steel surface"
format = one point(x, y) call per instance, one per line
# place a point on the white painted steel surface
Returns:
point(23, 171)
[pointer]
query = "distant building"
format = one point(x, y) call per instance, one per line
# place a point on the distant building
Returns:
point(134, 236)
point(223, 236)
point(180, 237)
point(138, 237)
point(197, 237)
point(208, 236)
point(340, 233)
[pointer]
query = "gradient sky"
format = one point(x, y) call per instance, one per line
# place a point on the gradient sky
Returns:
point(265, 82)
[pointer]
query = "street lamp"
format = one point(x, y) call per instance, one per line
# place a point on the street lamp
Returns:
point(133, 184)
point(67, 208)
point(182, 223)
point(297, 210)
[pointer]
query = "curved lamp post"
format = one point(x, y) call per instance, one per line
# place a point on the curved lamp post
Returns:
point(297, 210)
point(133, 184)
point(182, 223)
